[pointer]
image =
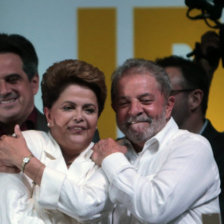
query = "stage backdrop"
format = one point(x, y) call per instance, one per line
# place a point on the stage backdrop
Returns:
point(106, 33)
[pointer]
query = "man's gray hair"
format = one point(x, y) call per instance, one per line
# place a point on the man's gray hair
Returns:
point(141, 66)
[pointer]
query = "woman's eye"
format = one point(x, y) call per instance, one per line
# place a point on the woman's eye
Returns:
point(67, 108)
point(90, 110)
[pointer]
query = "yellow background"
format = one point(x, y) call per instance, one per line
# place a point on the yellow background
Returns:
point(155, 31)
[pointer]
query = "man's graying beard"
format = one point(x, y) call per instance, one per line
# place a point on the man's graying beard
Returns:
point(140, 136)
point(133, 120)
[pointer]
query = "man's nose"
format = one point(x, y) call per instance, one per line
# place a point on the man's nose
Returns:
point(135, 108)
point(4, 87)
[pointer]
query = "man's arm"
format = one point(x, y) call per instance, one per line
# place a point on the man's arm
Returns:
point(162, 196)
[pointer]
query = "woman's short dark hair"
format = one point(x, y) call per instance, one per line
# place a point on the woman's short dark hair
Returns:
point(64, 73)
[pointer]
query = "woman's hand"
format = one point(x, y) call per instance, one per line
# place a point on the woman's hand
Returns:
point(12, 151)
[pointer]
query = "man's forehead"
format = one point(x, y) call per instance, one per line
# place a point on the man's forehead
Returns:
point(138, 79)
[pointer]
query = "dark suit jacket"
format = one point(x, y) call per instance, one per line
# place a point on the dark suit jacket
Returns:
point(216, 140)
point(41, 123)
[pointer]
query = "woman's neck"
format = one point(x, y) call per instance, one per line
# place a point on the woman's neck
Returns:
point(69, 158)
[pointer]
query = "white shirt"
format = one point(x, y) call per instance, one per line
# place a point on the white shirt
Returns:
point(80, 191)
point(174, 179)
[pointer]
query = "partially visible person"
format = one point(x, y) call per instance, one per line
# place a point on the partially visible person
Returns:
point(19, 82)
point(157, 172)
point(208, 53)
point(58, 182)
point(190, 86)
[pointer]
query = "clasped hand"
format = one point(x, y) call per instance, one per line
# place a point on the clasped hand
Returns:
point(104, 148)
point(12, 151)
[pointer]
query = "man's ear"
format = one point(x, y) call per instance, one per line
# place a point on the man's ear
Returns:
point(169, 106)
point(195, 98)
point(34, 82)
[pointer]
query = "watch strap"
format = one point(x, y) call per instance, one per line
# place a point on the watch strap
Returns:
point(25, 161)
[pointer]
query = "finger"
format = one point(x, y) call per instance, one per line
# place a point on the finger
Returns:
point(17, 131)
point(7, 169)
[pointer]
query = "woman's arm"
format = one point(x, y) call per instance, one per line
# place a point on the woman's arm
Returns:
point(58, 190)
point(16, 204)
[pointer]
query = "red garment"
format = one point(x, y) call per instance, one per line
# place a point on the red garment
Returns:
point(28, 124)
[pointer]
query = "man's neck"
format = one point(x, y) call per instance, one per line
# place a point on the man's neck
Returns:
point(193, 124)
point(8, 126)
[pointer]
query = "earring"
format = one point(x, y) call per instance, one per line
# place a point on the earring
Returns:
point(48, 124)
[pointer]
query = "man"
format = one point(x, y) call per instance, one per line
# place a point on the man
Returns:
point(167, 175)
point(190, 86)
point(19, 82)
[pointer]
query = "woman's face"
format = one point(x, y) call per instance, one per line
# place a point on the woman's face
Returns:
point(73, 118)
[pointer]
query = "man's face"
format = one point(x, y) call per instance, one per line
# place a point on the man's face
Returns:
point(16, 91)
point(181, 107)
point(141, 109)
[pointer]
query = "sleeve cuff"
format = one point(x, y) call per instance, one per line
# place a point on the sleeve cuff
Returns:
point(113, 164)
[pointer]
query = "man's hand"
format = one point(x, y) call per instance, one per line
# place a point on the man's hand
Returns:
point(104, 148)
point(8, 169)
point(12, 151)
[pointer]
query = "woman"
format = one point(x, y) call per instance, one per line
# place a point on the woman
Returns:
point(58, 182)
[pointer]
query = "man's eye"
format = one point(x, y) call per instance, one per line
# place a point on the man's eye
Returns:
point(146, 101)
point(122, 104)
point(13, 79)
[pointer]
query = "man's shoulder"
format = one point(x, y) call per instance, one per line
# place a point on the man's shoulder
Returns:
point(183, 137)
point(211, 131)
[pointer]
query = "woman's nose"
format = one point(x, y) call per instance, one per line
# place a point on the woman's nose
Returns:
point(78, 116)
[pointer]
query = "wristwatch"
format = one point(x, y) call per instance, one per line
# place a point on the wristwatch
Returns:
point(25, 161)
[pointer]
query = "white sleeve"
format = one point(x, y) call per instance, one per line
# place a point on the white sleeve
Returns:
point(16, 203)
point(161, 197)
point(84, 200)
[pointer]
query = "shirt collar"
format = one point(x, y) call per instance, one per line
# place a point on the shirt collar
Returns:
point(157, 141)
point(164, 134)
point(204, 126)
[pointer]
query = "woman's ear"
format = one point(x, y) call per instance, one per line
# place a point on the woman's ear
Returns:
point(48, 116)
point(195, 99)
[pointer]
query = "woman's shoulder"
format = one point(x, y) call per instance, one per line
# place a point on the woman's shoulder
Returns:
point(36, 140)
point(34, 134)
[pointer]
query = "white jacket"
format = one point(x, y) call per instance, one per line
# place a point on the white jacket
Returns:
point(79, 192)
